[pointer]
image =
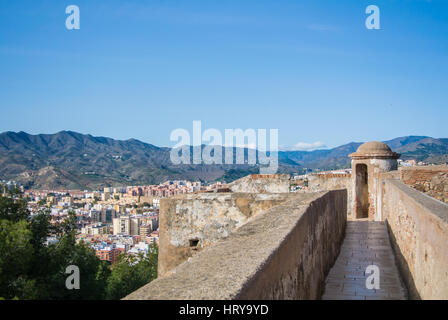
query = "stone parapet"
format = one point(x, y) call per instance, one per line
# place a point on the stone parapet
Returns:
point(432, 180)
point(418, 226)
point(191, 222)
point(262, 183)
point(285, 252)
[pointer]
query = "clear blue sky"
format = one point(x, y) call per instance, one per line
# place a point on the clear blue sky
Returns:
point(139, 69)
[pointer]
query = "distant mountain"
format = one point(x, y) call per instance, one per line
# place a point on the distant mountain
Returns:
point(72, 160)
point(321, 159)
point(420, 148)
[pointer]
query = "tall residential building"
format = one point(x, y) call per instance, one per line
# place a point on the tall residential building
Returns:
point(126, 225)
point(145, 230)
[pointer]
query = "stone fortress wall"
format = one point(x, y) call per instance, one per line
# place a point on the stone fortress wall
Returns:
point(284, 252)
point(266, 243)
point(262, 183)
point(418, 227)
point(330, 181)
point(189, 223)
point(432, 180)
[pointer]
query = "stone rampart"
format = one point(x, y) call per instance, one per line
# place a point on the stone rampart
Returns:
point(432, 180)
point(190, 222)
point(284, 252)
point(333, 181)
point(418, 226)
point(262, 183)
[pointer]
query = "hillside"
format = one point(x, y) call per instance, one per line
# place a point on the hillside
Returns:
point(72, 160)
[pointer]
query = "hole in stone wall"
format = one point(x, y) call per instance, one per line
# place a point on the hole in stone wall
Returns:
point(194, 243)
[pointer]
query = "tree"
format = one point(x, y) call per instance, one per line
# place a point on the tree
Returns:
point(13, 209)
point(131, 273)
point(32, 269)
point(92, 270)
point(16, 253)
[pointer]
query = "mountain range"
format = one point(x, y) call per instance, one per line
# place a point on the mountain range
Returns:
point(71, 160)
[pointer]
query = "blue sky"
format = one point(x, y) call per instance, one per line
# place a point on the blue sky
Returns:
point(140, 69)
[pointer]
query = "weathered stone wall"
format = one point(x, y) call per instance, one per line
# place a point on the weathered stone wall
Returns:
point(262, 183)
point(191, 222)
point(333, 181)
point(418, 227)
point(285, 252)
point(432, 180)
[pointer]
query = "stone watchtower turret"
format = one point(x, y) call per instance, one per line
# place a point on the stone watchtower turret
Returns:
point(368, 162)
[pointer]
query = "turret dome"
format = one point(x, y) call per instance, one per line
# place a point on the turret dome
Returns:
point(374, 149)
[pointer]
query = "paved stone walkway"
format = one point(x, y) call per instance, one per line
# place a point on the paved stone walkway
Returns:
point(366, 243)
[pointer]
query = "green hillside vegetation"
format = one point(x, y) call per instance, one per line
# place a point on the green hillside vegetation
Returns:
point(70, 160)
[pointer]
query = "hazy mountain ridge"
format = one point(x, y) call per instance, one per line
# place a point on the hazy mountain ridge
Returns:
point(72, 160)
